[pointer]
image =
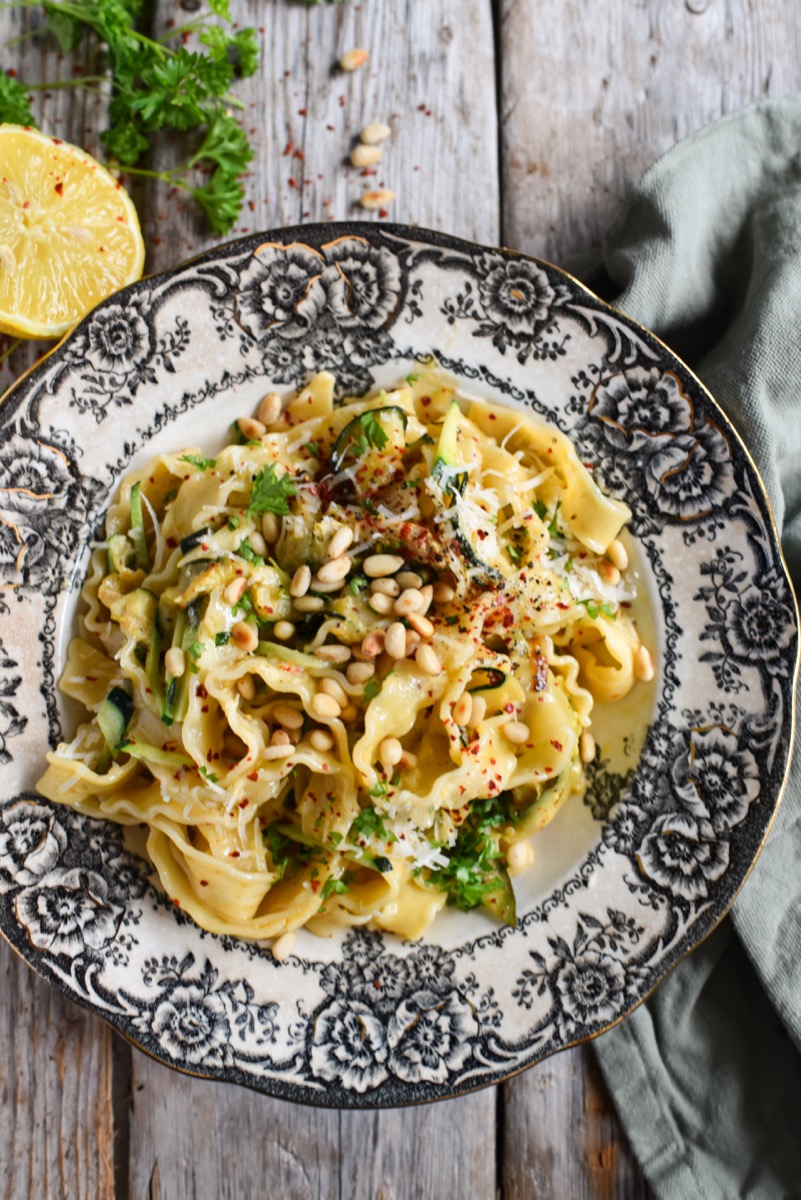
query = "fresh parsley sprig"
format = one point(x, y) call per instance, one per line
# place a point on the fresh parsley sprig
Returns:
point(154, 87)
point(271, 493)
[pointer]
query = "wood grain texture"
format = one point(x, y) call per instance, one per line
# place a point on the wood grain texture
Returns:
point(588, 101)
point(55, 1093)
point(594, 1162)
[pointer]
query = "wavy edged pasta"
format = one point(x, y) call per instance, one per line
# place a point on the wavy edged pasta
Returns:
point(344, 669)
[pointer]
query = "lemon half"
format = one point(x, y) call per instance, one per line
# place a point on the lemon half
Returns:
point(69, 234)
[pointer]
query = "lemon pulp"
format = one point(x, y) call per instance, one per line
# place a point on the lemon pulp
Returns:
point(69, 234)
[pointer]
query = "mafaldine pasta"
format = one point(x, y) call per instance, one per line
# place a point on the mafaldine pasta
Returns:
point(344, 670)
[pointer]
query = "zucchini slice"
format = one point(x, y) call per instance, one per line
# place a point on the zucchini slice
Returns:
point(138, 529)
point(193, 540)
point(120, 554)
point(113, 718)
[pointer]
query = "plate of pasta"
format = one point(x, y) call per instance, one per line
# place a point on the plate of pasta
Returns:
point(397, 664)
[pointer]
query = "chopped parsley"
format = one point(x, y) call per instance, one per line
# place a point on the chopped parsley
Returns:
point(233, 524)
point(476, 873)
point(593, 609)
point(313, 449)
point(412, 378)
point(271, 493)
point(371, 690)
point(221, 638)
point(370, 823)
point(357, 584)
point(552, 527)
point(333, 886)
point(246, 551)
point(212, 778)
point(195, 460)
point(515, 553)
point(540, 508)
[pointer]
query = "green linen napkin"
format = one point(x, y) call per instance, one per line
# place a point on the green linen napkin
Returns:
point(706, 1075)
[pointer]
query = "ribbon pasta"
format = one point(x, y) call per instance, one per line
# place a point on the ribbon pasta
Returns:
point(343, 670)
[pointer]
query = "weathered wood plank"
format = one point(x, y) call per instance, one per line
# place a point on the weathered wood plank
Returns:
point(55, 1092)
point(193, 1139)
point(444, 1150)
point(562, 1138)
point(431, 77)
point(588, 101)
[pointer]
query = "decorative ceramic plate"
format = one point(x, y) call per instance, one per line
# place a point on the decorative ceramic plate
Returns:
point(625, 882)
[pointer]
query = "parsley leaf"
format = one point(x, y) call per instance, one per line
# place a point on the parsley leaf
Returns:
point(270, 493)
point(371, 690)
point(15, 108)
point(540, 508)
point(196, 460)
point(476, 873)
point(332, 886)
point(356, 584)
point(552, 528)
point(221, 638)
point(593, 608)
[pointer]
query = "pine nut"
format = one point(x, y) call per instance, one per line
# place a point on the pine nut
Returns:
point(246, 687)
point(235, 590)
point(270, 408)
point(420, 624)
point(321, 739)
point(412, 641)
point(377, 199)
point(587, 747)
point(616, 553)
point(330, 687)
point(250, 428)
point(519, 856)
point(271, 752)
point(608, 572)
point(359, 672)
point(377, 565)
point(462, 709)
point(257, 543)
point(395, 640)
point(643, 665)
point(294, 736)
point(409, 579)
point(427, 593)
point(334, 570)
point(325, 707)
point(289, 717)
point(175, 662)
point(283, 946)
point(443, 593)
point(408, 602)
point(478, 712)
point(387, 586)
point(365, 156)
point(340, 542)
point(307, 604)
point(374, 133)
point(283, 630)
point(300, 581)
point(333, 653)
point(270, 527)
point(389, 752)
point(381, 604)
point(373, 644)
point(426, 659)
point(408, 759)
point(351, 60)
point(320, 585)
point(349, 713)
point(516, 732)
point(244, 636)
point(280, 738)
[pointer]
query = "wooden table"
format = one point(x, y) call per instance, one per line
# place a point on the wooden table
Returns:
point(519, 122)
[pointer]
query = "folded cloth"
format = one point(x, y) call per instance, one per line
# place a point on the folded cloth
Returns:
point(706, 1075)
